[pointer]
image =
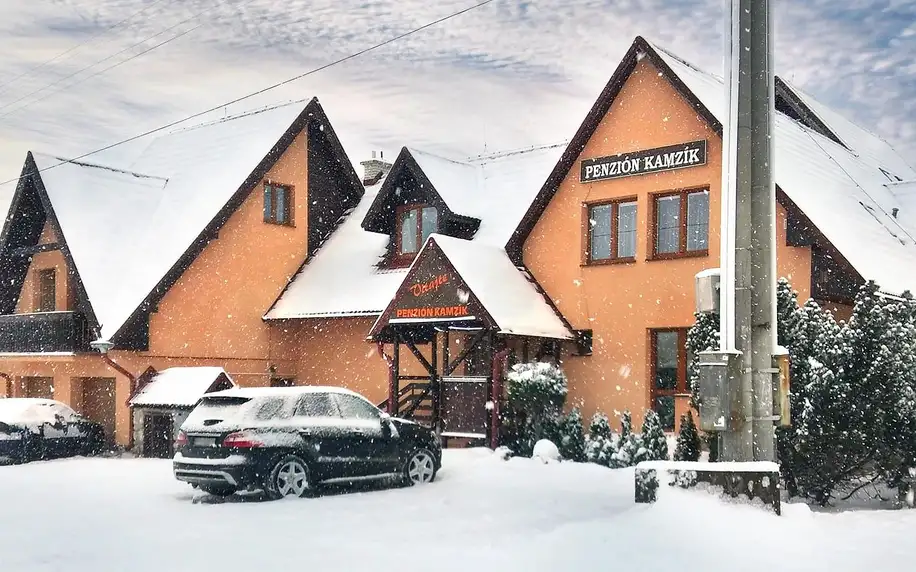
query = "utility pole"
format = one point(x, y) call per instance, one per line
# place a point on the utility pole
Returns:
point(737, 383)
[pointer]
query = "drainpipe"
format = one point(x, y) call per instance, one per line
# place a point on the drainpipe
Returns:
point(102, 346)
point(496, 398)
point(392, 398)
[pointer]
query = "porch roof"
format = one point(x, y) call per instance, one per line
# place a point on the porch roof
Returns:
point(513, 302)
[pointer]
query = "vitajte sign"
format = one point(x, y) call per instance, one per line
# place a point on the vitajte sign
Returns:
point(680, 156)
point(433, 292)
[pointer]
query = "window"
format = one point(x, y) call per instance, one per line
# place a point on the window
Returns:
point(278, 201)
point(681, 224)
point(669, 372)
point(316, 405)
point(352, 407)
point(46, 295)
point(271, 408)
point(612, 231)
point(415, 224)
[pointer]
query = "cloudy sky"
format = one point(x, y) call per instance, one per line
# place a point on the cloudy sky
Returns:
point(510, 74)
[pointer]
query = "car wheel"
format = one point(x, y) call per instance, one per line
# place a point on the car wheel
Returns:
point(218, 490)
point(289, 477)
point(420, 468)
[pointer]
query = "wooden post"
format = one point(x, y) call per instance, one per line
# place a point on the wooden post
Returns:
point(395, 390)
point(434, 381)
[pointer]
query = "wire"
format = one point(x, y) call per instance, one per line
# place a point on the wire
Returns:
point(259, 92)
point(105, 59)
point(76, 47)
point(101, 71)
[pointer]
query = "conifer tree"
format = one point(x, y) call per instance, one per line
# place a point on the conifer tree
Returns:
point(653, 438)
point(688, 440)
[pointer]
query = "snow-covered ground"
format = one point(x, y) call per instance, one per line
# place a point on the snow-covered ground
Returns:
point(482, 514)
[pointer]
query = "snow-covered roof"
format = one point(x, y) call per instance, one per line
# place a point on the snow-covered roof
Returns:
point(178, 386)
point(842, 191)
point(508, 296)
point(343, 278)
point(126, 229)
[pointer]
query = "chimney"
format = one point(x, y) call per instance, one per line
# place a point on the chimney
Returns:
point(375, 168)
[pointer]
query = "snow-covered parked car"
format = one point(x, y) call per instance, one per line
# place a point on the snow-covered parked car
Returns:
point(33, 429)
point(286, 440)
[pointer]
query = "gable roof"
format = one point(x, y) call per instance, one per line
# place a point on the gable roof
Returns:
point(133, 233)
point(343, 278)
point(498, 293)
point(180, 387)
point(841, 190)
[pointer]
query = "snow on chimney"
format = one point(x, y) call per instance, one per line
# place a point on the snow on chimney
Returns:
point(375, 168)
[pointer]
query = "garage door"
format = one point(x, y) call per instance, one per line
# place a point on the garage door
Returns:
point(42, 387)
point(99, 403)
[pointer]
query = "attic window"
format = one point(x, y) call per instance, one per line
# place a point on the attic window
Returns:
point(278, 204)
point(415, 224)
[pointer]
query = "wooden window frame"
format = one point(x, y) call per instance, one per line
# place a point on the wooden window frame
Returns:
point(271, 216)
point(681, 389)
point(682, 251)
point(615, 214)
point(39, 290)
point(405, 258)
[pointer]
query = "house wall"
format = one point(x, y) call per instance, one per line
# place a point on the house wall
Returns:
point(215, 308)
point(210, 317)
point(28, 295)
point(622, 302)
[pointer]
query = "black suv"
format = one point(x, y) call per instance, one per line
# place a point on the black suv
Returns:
point(285, 440)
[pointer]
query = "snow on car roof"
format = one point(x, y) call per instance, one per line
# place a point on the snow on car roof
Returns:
point(24, 408)
point(253, 392)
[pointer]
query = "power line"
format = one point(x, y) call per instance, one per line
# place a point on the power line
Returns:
point(77, 46)
point(260, 91)
point(101, 71)
point(105, 59)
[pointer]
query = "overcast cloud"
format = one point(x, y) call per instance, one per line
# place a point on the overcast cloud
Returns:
point(511, 74)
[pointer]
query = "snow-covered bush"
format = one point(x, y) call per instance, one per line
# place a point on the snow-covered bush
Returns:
point(853, 400)
point(653, 438)
point(567, 433)
point(536, 393)
point(688, 440)
point(600, 444)
point(546, 451)
point(630, 448)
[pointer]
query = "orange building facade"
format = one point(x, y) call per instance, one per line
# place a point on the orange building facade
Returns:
point(605, 246)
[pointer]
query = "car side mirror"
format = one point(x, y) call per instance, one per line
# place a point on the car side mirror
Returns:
point(385, 421)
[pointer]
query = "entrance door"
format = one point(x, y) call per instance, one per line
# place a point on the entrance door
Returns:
point(99, 403)
point(41, 387)
point(464, 406)
point(157, 435)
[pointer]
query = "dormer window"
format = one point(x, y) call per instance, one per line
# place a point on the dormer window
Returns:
point(415, 224)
